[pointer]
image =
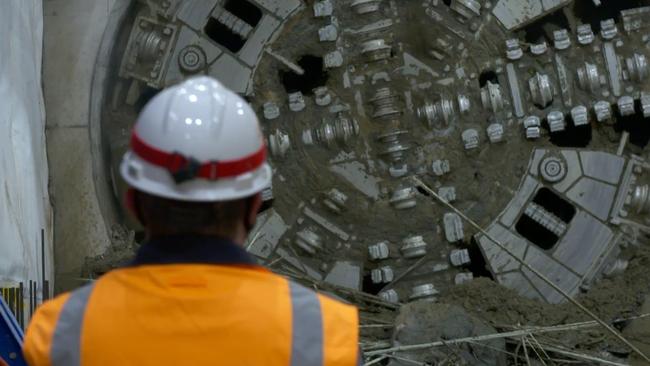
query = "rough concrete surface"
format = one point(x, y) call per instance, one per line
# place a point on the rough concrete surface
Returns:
point(423, 322)
point(72, 32)
point(80, 230)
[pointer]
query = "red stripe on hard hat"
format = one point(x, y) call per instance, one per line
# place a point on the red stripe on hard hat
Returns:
point(175, 162)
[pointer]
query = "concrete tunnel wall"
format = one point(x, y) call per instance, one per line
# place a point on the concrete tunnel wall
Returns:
point(25, 213)
point(72, 38)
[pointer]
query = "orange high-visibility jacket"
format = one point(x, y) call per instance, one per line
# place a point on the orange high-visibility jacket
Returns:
point(192, 301)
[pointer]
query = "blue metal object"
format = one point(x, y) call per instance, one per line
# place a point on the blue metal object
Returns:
point(11, 337)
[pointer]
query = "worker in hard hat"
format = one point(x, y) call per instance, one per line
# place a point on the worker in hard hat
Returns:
point(193, 296)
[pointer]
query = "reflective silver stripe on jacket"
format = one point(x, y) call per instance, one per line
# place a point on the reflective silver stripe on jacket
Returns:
point(307, 327)
point(66, 341)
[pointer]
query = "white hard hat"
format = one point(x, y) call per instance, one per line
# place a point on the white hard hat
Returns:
point(197, 141)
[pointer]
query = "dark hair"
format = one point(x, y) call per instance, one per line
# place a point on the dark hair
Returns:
point(184, 217)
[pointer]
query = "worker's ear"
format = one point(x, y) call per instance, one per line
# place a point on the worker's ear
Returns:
point(253, 206)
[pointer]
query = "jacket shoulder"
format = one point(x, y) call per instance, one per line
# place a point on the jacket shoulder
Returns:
point(337, 305)
point(38, 338)
point(328, 302)
point(341, 327)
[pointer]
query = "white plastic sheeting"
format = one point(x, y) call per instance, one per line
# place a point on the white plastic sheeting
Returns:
point(24, 201)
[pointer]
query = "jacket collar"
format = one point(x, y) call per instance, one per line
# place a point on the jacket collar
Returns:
point(192, 249)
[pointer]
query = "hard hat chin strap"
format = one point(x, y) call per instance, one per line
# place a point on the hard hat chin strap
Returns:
point(183, 168)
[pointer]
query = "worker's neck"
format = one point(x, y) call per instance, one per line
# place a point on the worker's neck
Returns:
point(237, 236)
